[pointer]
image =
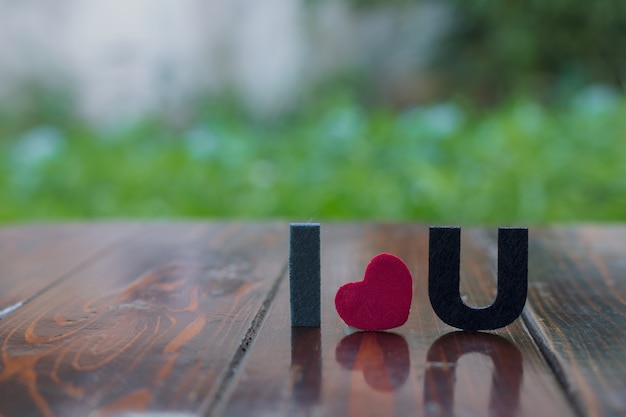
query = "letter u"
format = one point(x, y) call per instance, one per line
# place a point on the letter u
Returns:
point(444, 260)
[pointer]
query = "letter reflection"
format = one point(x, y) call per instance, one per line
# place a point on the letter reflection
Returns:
point(441, 361)
point(306, 364)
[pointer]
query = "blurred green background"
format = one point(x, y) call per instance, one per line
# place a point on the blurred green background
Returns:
point(517, 116)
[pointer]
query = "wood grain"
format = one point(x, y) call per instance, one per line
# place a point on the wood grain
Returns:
point(577, 310)
point(333, 371)
point(152, 326)
point(32, 258)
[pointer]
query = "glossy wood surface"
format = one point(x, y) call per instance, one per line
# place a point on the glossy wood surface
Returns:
point(152, 325)
point(35, 257)
point(192, 319)
point(421, 368)
point(577, 291)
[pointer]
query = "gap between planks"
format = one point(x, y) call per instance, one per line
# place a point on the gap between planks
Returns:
point(214, 402)
point(490, 242)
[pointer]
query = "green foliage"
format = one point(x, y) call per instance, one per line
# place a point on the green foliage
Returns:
point(336, 160)
point(499, 47)
point(36, 104)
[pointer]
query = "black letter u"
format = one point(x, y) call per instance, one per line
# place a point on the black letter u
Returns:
point(444, 261)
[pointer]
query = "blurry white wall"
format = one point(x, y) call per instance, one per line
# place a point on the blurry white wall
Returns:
point(126, 58)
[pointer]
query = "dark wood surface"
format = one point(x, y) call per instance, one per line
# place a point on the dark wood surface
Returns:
point(151, 325)
point(192, 319)
point(577, 298)
point(23, 276)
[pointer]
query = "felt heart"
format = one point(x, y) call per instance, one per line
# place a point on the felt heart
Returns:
point(382, 300)
point(382, 357)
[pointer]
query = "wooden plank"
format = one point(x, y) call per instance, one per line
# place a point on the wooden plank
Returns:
point(409, 371)
point(150, 327)
point(33, 258)
point(577, 309)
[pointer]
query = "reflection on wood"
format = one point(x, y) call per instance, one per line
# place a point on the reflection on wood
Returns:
point(382, 357)
point(306, 364)
point(441, 365)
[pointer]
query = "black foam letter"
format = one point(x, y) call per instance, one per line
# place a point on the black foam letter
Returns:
point(444, 261)
point(304, 274)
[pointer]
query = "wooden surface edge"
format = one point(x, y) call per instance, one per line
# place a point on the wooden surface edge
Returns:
point(110, 244)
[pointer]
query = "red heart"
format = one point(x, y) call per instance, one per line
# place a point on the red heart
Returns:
point(382, 300)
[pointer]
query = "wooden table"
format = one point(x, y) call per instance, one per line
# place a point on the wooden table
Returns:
point(192, 319)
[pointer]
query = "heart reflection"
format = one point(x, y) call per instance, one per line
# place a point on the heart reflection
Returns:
point(382, 357)
point(441, 361)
